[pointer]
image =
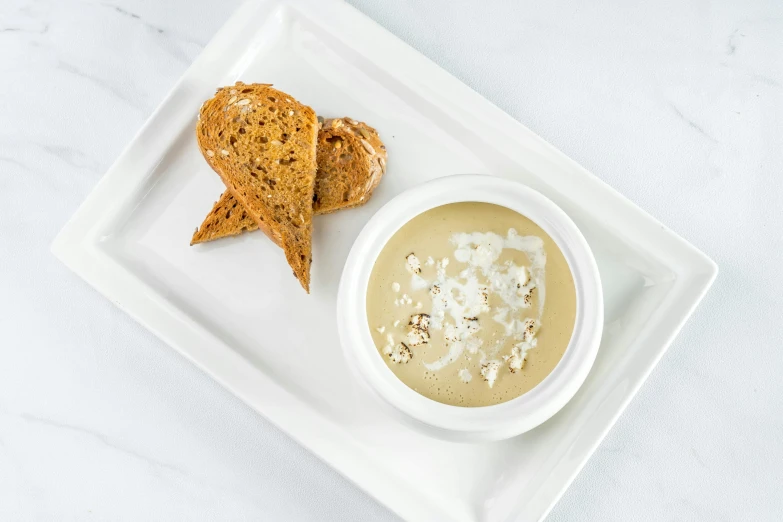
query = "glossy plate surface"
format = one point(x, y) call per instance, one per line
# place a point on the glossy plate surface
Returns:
point(234, 309)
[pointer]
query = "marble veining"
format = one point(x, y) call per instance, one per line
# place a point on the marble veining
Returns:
point(100, 438)
point(692, 124)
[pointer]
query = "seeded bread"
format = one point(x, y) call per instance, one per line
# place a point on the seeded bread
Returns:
point(351, 160)
point(262, 143)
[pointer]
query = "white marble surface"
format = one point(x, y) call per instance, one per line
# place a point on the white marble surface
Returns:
point(678, 105)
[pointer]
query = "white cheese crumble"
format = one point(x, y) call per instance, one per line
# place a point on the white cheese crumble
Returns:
point(517, 358)
point(489, 370)
point(401, 354)
point(398, 352)
point(389, 344)
point(412, 264)
point(418, 329)
point(464, 375)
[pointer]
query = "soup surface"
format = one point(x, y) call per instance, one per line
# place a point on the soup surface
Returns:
point(471, 304)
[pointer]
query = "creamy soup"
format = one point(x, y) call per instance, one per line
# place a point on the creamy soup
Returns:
point(471, 304)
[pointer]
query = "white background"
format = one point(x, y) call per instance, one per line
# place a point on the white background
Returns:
point(677, 104)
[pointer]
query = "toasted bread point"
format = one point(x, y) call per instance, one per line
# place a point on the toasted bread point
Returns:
point(228, 218)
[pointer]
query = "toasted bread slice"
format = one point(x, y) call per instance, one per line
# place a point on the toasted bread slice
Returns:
point(351, 160)
point(262, 143)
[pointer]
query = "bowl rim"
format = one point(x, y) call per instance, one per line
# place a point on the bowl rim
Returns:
point(497, 421)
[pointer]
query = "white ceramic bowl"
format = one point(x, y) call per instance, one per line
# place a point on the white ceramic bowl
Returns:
point(455, 422)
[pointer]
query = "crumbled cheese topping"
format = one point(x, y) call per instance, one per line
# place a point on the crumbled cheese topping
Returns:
point(401, 354)
point(517, 358)
point(412, 264)
point(389, 344)
point(419, 329)
point(460, 303)
point(512, 283)
point(489, 370)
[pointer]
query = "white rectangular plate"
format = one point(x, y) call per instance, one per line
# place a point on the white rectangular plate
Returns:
point(235, 310)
